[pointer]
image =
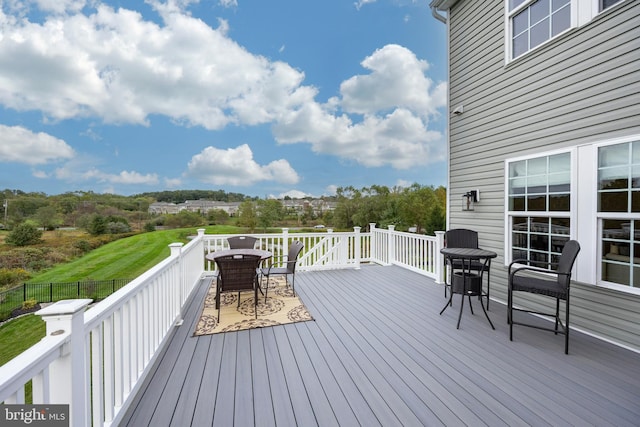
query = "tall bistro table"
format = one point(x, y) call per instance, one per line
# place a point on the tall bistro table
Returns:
point(264, 255)
point(466, 282)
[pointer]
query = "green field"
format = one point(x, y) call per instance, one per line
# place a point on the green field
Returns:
point(125, 258)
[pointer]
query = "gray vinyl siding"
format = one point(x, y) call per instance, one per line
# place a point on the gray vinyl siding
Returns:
point(581, 87)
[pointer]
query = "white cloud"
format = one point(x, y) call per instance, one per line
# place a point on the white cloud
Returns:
point(229, 3)
point(76, 171)
point(403, 183)
point(236, 166)
point(172, 182)
point(60, 6)
point(361, 3)
point(331, 190)
point(293, 194)
point(397, 79)
point(121, 68)
point(21, 145)
point(399, 139)
point(395, 102)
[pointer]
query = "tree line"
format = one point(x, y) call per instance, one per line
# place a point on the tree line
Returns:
point(417, 207)
point(106, 217)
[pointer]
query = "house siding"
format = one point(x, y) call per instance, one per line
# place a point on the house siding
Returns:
point(581, 87)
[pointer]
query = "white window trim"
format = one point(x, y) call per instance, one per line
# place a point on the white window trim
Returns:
point(598, 216)
point(582, 12)
point(585, 219)
point(572, 215)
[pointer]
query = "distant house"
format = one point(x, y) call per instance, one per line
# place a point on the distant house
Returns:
point(544, 101)
point(201, 206)
point(163, 208)
point(319, 206)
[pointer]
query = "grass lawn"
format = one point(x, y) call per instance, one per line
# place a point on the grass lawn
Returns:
point(18, 335)
point(123, 259)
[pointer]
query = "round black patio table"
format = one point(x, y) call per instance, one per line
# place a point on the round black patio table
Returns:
point(465, 282)
point(229, 252)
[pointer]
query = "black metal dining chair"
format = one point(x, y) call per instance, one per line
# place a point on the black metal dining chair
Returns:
point(242, 242)
point(237, 273)
point(555, 284)
point(464, 238)
point(282, 268)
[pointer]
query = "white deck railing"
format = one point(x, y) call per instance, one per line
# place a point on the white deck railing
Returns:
point(96, 360)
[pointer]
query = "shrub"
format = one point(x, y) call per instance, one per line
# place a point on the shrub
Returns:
point(29, 304)
point(12, 276)
point(149, 226)
point(23, 235)
point(117, 228)
point(97, 225)
point(83, 246)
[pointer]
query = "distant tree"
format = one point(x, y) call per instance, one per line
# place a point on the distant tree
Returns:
point(268, 212)
point(247, 216)
point(373, 204)
point(184, 219)
point(424, 207)
point(23, 235)
point(117, 228)
point(217, 216)
point(436, 220)
point(347, 206)
point(97, 225)
point(47, 217)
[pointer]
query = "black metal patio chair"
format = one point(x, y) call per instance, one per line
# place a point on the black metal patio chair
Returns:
point(464, 238)
point(288, 268)
point(237, 273)
point(242, 242)
point(556, 286)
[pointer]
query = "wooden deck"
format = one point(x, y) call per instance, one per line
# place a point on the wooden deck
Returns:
point(378, 353)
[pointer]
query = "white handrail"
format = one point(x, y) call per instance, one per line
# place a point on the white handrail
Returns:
point(96, 360)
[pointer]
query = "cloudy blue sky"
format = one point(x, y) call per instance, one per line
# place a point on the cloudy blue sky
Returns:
point(265, 98)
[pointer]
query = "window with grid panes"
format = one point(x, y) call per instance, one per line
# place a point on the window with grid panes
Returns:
point(619, 212)
point(539, 204)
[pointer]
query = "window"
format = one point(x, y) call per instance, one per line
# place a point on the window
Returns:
point(608, 3)
point(539, 205)
point(532, 23)
point(618, 210)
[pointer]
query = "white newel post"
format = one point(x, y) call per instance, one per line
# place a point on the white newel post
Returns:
point(357, 247)
point(285, 244)
point(176, 250)
point(67, 381)
point(373, 241)
point(392, 245)
point(439, 267)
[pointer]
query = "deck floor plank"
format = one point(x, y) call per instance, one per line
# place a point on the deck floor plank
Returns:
point(282, 404)
point(379, 353)
point(264, 416)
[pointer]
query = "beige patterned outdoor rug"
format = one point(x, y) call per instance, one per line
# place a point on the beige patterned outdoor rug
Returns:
point(281, 308)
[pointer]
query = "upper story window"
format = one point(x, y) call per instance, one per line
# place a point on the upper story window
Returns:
point(534, 22)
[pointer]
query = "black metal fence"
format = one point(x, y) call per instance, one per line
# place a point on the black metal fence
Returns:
point(13, 299)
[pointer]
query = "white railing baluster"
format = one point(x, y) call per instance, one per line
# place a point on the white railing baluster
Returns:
point(118, 362)
point(40, 387)
point(108, 344)
point(97, 385)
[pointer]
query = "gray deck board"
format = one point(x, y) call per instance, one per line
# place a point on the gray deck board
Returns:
point(378, 353)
